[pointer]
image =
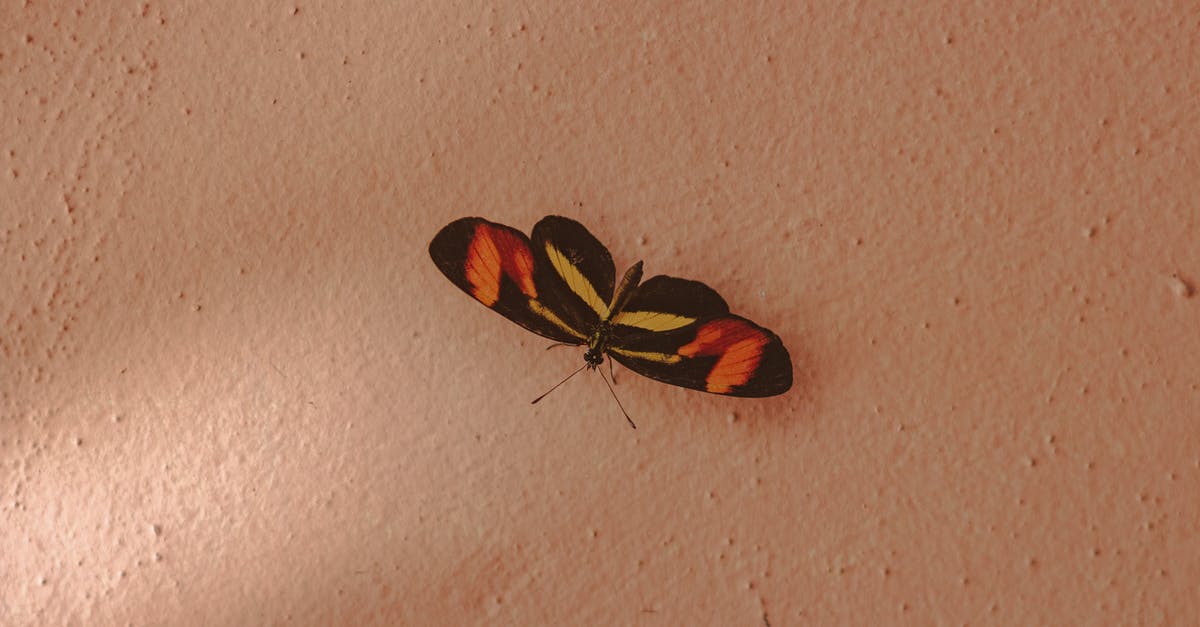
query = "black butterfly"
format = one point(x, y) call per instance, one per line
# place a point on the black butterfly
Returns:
point(561, 284)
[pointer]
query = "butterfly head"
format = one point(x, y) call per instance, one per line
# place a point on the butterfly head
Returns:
point(594, 357)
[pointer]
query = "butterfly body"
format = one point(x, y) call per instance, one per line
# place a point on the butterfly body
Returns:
point(559, 283)
point(597, 345)
point(597, 342)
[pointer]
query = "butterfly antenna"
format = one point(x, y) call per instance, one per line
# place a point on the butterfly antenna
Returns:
point(614, 395)
point(558, 384)
point(557, 344)
point(610, 372)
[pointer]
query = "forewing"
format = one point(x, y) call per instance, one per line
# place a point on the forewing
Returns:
point(576, 272)
point(495, 264)
point(681, 332)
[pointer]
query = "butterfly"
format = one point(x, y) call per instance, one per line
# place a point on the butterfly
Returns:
point(560, 283)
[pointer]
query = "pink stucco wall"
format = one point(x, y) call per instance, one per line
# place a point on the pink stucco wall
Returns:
point(235, 390)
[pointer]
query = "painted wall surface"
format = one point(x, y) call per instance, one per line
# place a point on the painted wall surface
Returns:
point(235, 390)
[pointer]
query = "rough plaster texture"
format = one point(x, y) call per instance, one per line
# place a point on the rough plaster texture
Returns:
point(235, 390)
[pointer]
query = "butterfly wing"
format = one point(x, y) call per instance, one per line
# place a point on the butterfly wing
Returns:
point(681, 332)
point(575, 272)
point(496, 265)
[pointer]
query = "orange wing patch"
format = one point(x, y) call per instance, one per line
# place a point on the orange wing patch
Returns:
point(493, 253)
point(739, 346)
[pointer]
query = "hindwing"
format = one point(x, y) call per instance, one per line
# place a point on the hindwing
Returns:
point(496, 265)
point(576, 271)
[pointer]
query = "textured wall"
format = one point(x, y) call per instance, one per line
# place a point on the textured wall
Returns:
point(236, 390)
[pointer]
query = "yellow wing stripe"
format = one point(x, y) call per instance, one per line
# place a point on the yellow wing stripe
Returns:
point(576, 281)
point(652, 320)
point(540, 309)
point(662, 358)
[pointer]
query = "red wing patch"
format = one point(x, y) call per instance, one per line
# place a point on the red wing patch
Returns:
point(740, 349)
point(493, 252)
point(495, 264)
